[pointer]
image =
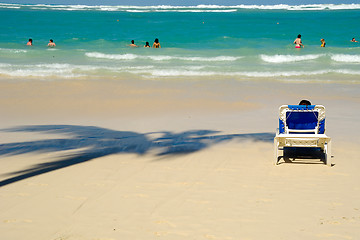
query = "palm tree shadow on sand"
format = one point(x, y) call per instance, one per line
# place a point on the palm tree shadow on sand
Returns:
point(94, 142)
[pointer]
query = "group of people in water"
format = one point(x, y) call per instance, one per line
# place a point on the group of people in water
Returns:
point(156, 44)
point(298, 42)
point(50, 44)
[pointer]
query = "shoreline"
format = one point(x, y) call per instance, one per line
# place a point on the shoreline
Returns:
point(65, 101)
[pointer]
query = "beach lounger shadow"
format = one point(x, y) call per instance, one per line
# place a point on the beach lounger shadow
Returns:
point(301, 135)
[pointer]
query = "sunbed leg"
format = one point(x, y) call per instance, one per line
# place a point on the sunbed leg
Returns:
point(328, 153)
point(276, 146)
point(326, 161)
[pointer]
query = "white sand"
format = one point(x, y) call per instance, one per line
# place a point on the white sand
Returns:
point(171, 160)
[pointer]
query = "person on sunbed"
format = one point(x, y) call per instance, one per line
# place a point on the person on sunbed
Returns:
point(305, 102)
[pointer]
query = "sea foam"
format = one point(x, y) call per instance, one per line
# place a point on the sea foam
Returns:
point(7, 50)
point(289, 58)
point(160, 57)
point(111, 56)
point(253, 74)
point(346, 58)
point(198, 8)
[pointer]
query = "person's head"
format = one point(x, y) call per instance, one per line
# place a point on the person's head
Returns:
point(132, 41)
point(305, 102)
point(147, 44)
point(322, 40)
point(30, 40)
point(156, 40)
point(353, 39)
point(51, 40)
point(299, 36)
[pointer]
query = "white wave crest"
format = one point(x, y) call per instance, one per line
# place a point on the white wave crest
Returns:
point(7, 50)
point(40, 73)
point(284, 74)
point(181, 73)
point(198, 8)
point(194, 59)
point(59, 70)
point(346, 58)
point(10, 5)
point(160, 57)
point(111, 56)
point(255, 74)
point(289, 58)
point(65, 70)
point(305, 7)
point(40, 70)
point(210, 59)
point(300, 73)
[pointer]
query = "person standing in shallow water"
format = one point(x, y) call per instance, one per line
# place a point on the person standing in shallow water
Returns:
point(323, 43)
point(298, 42)
point(29, 43)
point(51, 43)
point(156, 44)
point(133, 44)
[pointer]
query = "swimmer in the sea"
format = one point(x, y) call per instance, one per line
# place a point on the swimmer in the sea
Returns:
point(323, 43)
point(133, 44)
point(156, 44)
point(147, 45)
point(51, 43)
point(353, 40)
point(29, 43)
point(298, 42)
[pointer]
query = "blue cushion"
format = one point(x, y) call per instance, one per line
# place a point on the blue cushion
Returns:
point(302, 120)
point(281, 126)
point(301, 107)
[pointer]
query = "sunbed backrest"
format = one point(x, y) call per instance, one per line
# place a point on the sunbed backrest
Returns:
point(302, 120)
point(301, 107)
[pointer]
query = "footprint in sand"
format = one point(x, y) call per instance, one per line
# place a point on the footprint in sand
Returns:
point(164, 222)
point(18, 221)
point(37, 184)
point(23, 194)
point(75, 198)
point(160, 233)
point(209, 236)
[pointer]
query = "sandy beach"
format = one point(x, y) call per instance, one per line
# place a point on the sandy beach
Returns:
point(182, 159)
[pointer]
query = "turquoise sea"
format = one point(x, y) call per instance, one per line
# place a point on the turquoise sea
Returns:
point(214, 42)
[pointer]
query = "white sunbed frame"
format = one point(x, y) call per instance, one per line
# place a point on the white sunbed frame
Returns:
point(302, 138)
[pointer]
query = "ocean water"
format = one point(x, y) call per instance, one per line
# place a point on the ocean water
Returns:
point(245, 42)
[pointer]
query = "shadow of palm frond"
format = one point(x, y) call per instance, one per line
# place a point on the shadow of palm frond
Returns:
point(94, 142)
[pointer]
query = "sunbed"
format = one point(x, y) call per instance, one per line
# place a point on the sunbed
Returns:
point(302, 126)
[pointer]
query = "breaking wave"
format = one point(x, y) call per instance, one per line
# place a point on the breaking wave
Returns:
point(169, 8)
point(150, 71)
point(7, 50)
point(159, 57)
point(289, 58)
point(346, 58)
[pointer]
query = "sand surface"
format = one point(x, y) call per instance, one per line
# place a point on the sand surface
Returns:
point(91, 159)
